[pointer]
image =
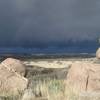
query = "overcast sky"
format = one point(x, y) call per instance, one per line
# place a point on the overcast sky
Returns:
point(25, 22)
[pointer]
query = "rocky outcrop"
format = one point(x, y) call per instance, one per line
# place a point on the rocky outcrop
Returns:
point(84, 76)
point(98, 53)
point(15, 65)
point(11, 82)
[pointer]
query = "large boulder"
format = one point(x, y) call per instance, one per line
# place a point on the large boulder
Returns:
point(15, 65)
point(11, 83)
point(98, 53)
point(84, 76)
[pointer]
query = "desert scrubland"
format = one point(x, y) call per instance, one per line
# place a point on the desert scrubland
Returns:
point(45, 79)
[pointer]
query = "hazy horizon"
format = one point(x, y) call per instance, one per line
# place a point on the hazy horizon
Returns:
point(85, 47)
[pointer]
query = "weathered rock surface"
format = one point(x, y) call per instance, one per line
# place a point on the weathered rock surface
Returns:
point(89, 96)
point(11, 82)
point(84, 76)
point(98, 53)
point(15, 65)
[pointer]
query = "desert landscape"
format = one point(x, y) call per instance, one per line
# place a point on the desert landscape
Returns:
point(71, 78)
point(49, 50)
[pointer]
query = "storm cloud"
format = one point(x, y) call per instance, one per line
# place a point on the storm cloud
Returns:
point(43, 22)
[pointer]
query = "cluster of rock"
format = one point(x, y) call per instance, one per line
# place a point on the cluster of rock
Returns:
point(12, 78)
point(84, 76)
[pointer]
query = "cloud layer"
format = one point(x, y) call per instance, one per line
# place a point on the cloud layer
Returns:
point(40, 22)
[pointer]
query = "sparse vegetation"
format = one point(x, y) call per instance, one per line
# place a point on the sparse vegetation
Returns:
point(49, 89)
point(45, 86)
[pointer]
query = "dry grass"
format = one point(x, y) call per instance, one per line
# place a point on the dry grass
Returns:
point(53, 89)
point(45, 87)
point(50, 89)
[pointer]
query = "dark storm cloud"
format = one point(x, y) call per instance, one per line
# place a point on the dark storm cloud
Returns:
point(48, 21)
